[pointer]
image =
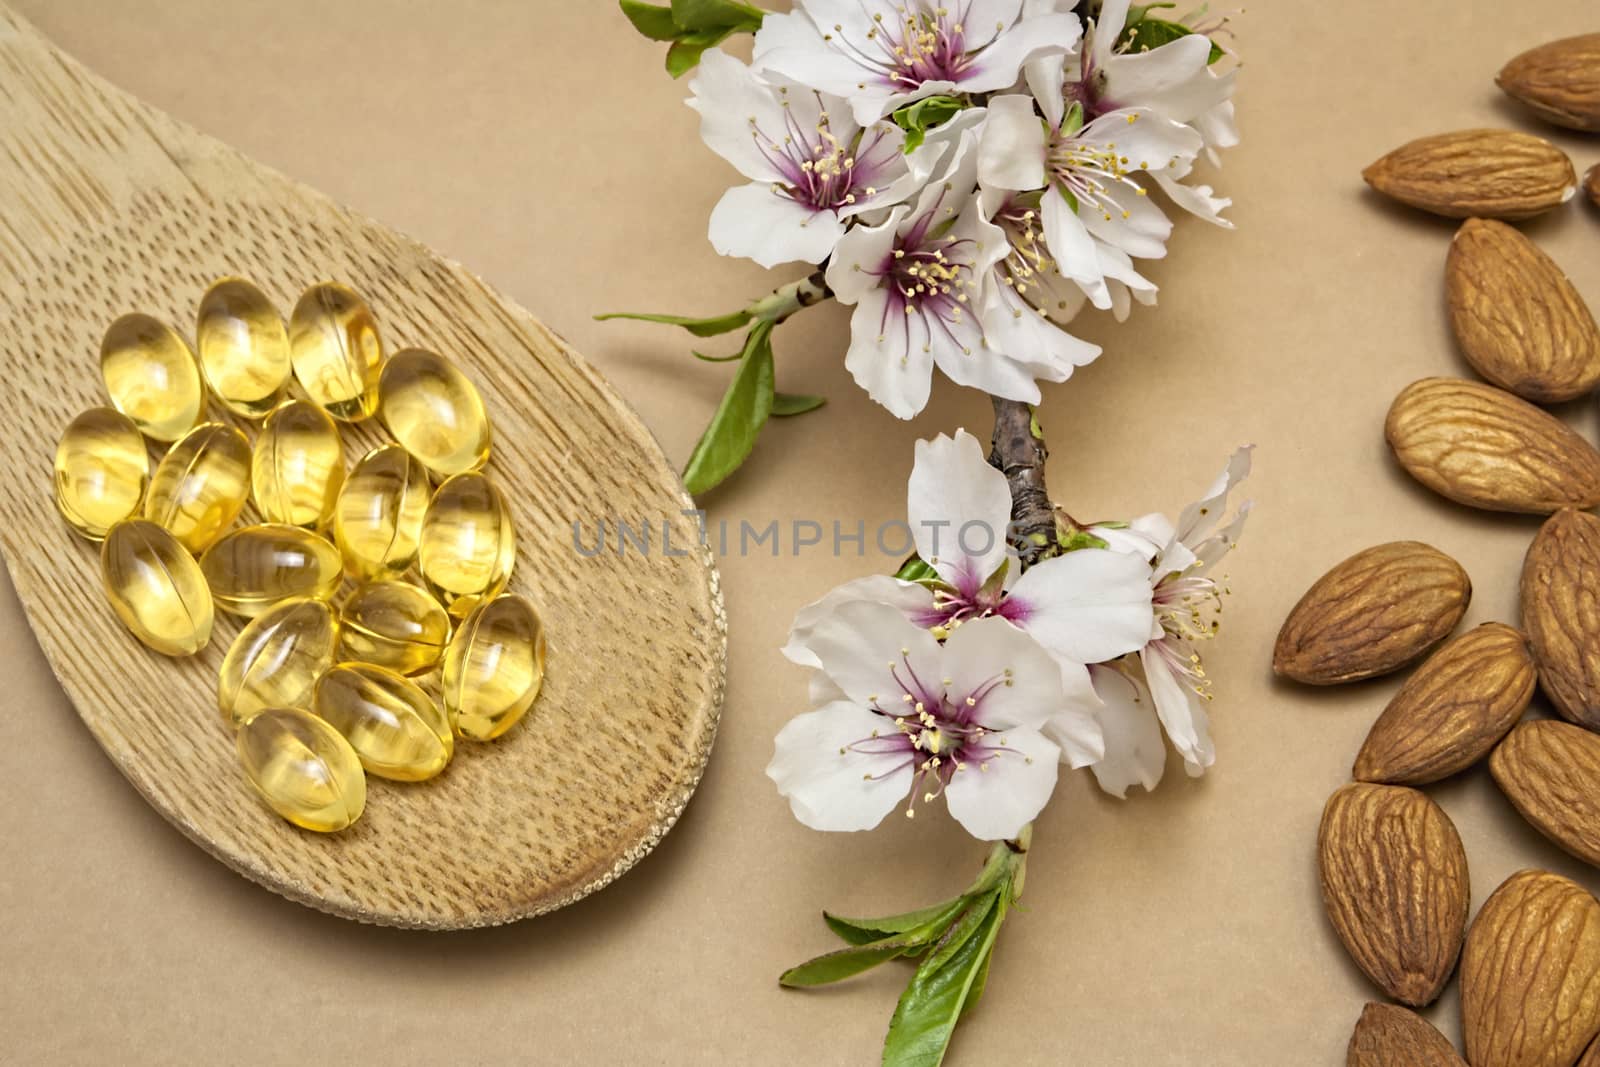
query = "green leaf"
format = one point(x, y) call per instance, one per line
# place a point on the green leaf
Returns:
point(957, 933)
point(785, 405)
point(707, 327)
point(929, 112)
point(684, 54)
point(978, 984)
point(914, 569)
point(716, 15)
point(1082, 539)
point(844, 963)
point(731, 434)
point(926, 1017)
point(1216, 53)
point(652, 20)
point(862, 931)
point(715, 359)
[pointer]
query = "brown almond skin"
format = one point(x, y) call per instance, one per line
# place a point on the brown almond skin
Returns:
point(1497, 174)
point(1395, 886)
point(1591, 184)
point(1591, 1058)
point(1480, 446)
point(1453, 709)
point(1550, 771)
point(1374, 613)
point(1559, 81)
point(1520, 322)
point(1388, 1035)
point(1530, 974)
point(1561, 616)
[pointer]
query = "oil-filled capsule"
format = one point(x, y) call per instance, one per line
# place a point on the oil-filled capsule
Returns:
point(303, 768)
point(396, 729)
point(336, 351)
point(297, 466)
point(468, 545)
point(156, 588)
point(393, 624)
point(378, 516)
point(243, 346)
point(256, 567)
point(151, 377)
point(434, 411)
point(493, 668)
point(201, 485)
point(101, 471)
point(276, 659)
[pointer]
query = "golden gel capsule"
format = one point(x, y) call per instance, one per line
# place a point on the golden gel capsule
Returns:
point(468, 544)
point(101, 471)
point(395, 625)
point(396, 729)
point(151, 377)
point(156, 588)
point(201, 485)
point(378, 517)
point(298, 466)
point(243, 347)
point(252, 569)
point(434, 411)
point(276, 659)
point(493, 668)
point(303, 768)
point(336, 352)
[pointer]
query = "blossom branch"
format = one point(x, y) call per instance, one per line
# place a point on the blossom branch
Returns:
point(1018, 451)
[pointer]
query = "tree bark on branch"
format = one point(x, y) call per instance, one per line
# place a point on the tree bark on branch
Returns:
point(1018, 451)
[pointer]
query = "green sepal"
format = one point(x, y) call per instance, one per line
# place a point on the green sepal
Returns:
point(651, 20)
point(1216, 53)
point(1082, 539)
point(1072, 202)
point(926, 1017)
point(843, 963)
point(916, 569)
point(1072, 121)
point(706, 327)
point(787, 405)
point(683, 55)
point(918, 118)
point(863, 931)
point(731, 434)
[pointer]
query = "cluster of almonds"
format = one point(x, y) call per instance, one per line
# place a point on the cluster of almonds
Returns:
point(1394, 873)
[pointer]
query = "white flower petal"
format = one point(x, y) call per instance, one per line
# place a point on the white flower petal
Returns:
point(1217, 127)
point(998, 65)
point(1171, 79)
point(1129, 222)
point(872, 650)
point(860, 256)
point(977, 657)
point(733, 102)
point(983, 20)
point(1046, 80)
point(791, 45)
point(1073, 249)
point(890, 355)
point(1076, 729)
point(1012, 324)
point(1197, 200)
point(959, 508)
point(832, 790)
point(909, 598)
point(1011, 154)
point(754, 222)
point(1089, 606)
point(1134, 751)
point(1201, 517)
point(1113, 19)
point(995, 804)
point(1179, 707)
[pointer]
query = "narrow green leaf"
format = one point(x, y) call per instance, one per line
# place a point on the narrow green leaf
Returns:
point(842, 964)
point(707, 327)
point(716, 15)
point(683, 55)
point(652, 20)
point(785, 405)
point(715, 359)
point(915, 569)
point(732, 431)
point(926, 1017)
point(979, 984)
point(956, 934)
point(861, 931)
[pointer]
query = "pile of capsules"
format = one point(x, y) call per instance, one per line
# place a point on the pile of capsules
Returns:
point(317, 687)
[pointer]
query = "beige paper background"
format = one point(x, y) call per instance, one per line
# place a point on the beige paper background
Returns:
point(540, 143)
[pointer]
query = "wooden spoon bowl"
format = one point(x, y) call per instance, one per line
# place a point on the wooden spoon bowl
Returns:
point(108, 206)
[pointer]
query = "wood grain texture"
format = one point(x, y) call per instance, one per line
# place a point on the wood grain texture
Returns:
point(106, 206)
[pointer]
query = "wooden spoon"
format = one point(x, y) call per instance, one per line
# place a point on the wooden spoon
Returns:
point(107, 206)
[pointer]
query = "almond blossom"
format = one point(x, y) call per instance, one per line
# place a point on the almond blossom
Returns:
point(813, 167)
point(884, 54)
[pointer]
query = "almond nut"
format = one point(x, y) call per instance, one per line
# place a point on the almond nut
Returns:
point(1374, 613)
point(1561, 615)
point(1453, 710)
point(1530, 974)
point(1520, 322)
point(1481, 446)
point(1591, 184)
point(1495, 174)
point(1550, 771)
point(1388, 1035)
point(1560, 81)
point(1394, 882)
